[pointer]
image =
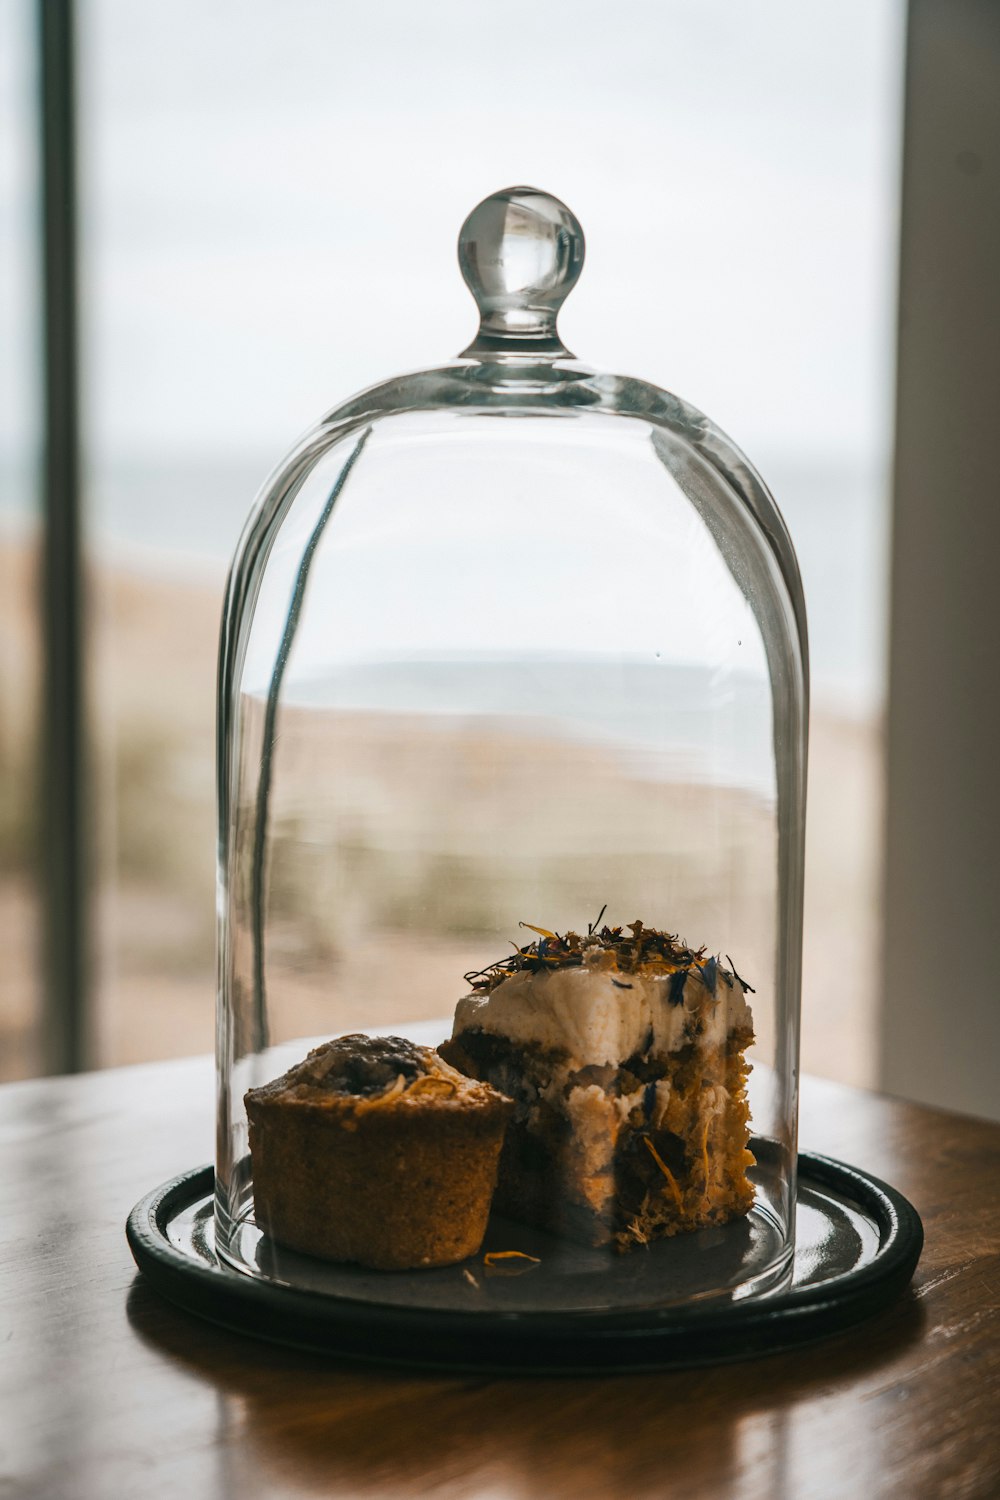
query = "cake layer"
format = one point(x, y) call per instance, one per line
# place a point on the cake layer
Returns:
point(601, 1016)
point(620, 1155)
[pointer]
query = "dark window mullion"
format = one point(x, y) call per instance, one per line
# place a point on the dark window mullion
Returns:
point(63, 862)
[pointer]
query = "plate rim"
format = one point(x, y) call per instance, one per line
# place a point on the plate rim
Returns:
point(535, 1341)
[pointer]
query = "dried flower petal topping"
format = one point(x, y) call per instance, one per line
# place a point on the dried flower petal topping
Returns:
point(624, 950)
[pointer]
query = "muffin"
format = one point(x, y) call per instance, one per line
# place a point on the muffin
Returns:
point(375, 1150)
point(625, 1054)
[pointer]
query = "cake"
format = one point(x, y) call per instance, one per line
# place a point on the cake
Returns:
point(624, 1054)
point(375, 1150)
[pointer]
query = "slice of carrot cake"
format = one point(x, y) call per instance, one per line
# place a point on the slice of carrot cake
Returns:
point(624, 1053)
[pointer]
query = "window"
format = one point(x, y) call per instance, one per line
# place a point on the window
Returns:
point(269, 203)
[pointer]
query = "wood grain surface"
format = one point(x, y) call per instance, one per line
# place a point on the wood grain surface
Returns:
point(107, 1391)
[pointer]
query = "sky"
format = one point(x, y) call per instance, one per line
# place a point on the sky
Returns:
point(271, 196)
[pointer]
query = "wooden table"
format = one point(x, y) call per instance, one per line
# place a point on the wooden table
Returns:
point(107, 1391)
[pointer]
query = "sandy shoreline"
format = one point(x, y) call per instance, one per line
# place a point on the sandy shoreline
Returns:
point(152, 645)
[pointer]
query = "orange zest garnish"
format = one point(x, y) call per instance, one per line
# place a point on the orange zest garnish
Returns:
point(432, 1083)
point(671, 1179)
point(509, 1262)
point(426, 1083)
point(704, 1151)
point(390, 1094)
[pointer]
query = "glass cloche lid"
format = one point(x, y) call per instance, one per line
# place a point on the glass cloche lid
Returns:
point(511, 782)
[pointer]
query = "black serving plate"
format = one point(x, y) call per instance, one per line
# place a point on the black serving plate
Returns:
point(856, 1246)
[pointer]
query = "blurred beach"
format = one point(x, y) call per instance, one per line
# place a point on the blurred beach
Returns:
point(241, 271)
point(152, 651)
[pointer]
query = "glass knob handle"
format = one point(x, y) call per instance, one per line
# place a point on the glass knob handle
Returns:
point(521, 252)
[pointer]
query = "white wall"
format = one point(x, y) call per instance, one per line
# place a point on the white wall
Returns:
point(941, 1016)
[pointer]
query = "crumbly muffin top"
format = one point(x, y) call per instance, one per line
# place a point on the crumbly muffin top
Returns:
point(360, 1072)
point(359, 1064)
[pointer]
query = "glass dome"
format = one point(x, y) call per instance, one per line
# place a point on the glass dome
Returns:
point(511, 759)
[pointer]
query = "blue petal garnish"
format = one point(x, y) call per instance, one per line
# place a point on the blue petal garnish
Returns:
point(675, 990)
point(710, 975)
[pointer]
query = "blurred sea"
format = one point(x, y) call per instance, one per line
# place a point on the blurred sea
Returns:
point(183, 518)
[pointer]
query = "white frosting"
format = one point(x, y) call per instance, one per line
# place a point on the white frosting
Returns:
point(715, 1100)
point(626, 1103)
point(661, 1100)
point(598, 1021)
